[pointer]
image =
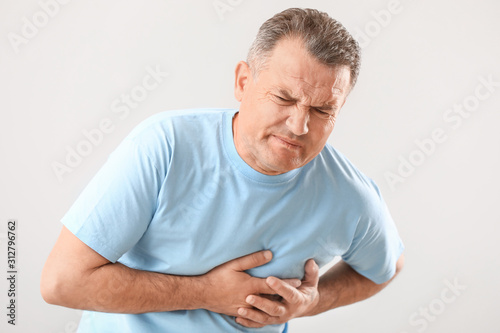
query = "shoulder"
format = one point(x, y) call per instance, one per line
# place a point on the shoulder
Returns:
point(165, 127)
point(158, 136)
point(350, 180)
point(359, 193)
point(167, 122)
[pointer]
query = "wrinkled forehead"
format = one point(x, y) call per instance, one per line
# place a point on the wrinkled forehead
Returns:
point(291, 67)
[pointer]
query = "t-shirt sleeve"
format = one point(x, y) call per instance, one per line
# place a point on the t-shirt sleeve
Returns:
point(114, 210)
point(376, 245)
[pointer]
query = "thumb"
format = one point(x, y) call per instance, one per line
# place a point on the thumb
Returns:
point(311, 276)
point(251, 260)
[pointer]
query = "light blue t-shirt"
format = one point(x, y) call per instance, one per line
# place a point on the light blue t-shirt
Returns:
point(176, 198)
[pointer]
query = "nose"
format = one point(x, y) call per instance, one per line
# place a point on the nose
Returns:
point(298, 120)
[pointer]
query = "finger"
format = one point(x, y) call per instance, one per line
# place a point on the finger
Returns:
point(256, 316)
point(293, 282)
point(260, 286)
point(289, 293)
point(311, 276)
point(248, 323)
point(251, 260)
point(274, 297)
point(271, 307)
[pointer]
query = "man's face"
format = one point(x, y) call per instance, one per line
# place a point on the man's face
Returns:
point(288, 111)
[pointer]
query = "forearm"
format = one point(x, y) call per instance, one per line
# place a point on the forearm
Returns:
point(342, 285)
point(76, 276)
point(120, 289)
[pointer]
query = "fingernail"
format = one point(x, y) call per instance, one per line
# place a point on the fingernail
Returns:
point(271, 281)
point(242, 312)
point(250, 299)
point(268, 255)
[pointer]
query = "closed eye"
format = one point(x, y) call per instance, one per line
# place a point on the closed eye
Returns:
point(325, 114)
point(282, 99)
point(320, 111)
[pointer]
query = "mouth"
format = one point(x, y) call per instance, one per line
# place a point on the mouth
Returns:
point(289, 143)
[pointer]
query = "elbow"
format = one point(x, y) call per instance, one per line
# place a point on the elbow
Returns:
point(48, 289)
point(399, 264)
point(52, 286)
point(63, 288)
point(399, 267)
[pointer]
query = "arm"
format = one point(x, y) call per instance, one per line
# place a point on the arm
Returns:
point(78, 277)
point(339, 286)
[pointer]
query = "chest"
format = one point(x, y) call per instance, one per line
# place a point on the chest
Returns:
point(205, 220)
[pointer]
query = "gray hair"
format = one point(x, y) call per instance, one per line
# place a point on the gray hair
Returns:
point(325, 38)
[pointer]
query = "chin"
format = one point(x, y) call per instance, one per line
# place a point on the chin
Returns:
point(285, 167)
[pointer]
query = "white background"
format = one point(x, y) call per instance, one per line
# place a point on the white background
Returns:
point(420, 62)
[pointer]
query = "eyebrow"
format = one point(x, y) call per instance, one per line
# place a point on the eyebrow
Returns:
point(287, 95)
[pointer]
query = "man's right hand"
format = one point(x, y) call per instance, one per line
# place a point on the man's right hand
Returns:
point(227, 285)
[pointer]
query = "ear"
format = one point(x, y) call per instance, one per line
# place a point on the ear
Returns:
point(242, 75)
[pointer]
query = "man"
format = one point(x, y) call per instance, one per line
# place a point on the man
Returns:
point(218, 220)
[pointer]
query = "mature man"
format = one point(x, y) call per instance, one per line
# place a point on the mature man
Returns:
point(218, 220)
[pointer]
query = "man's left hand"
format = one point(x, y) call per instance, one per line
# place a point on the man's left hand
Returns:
point(295, 302)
